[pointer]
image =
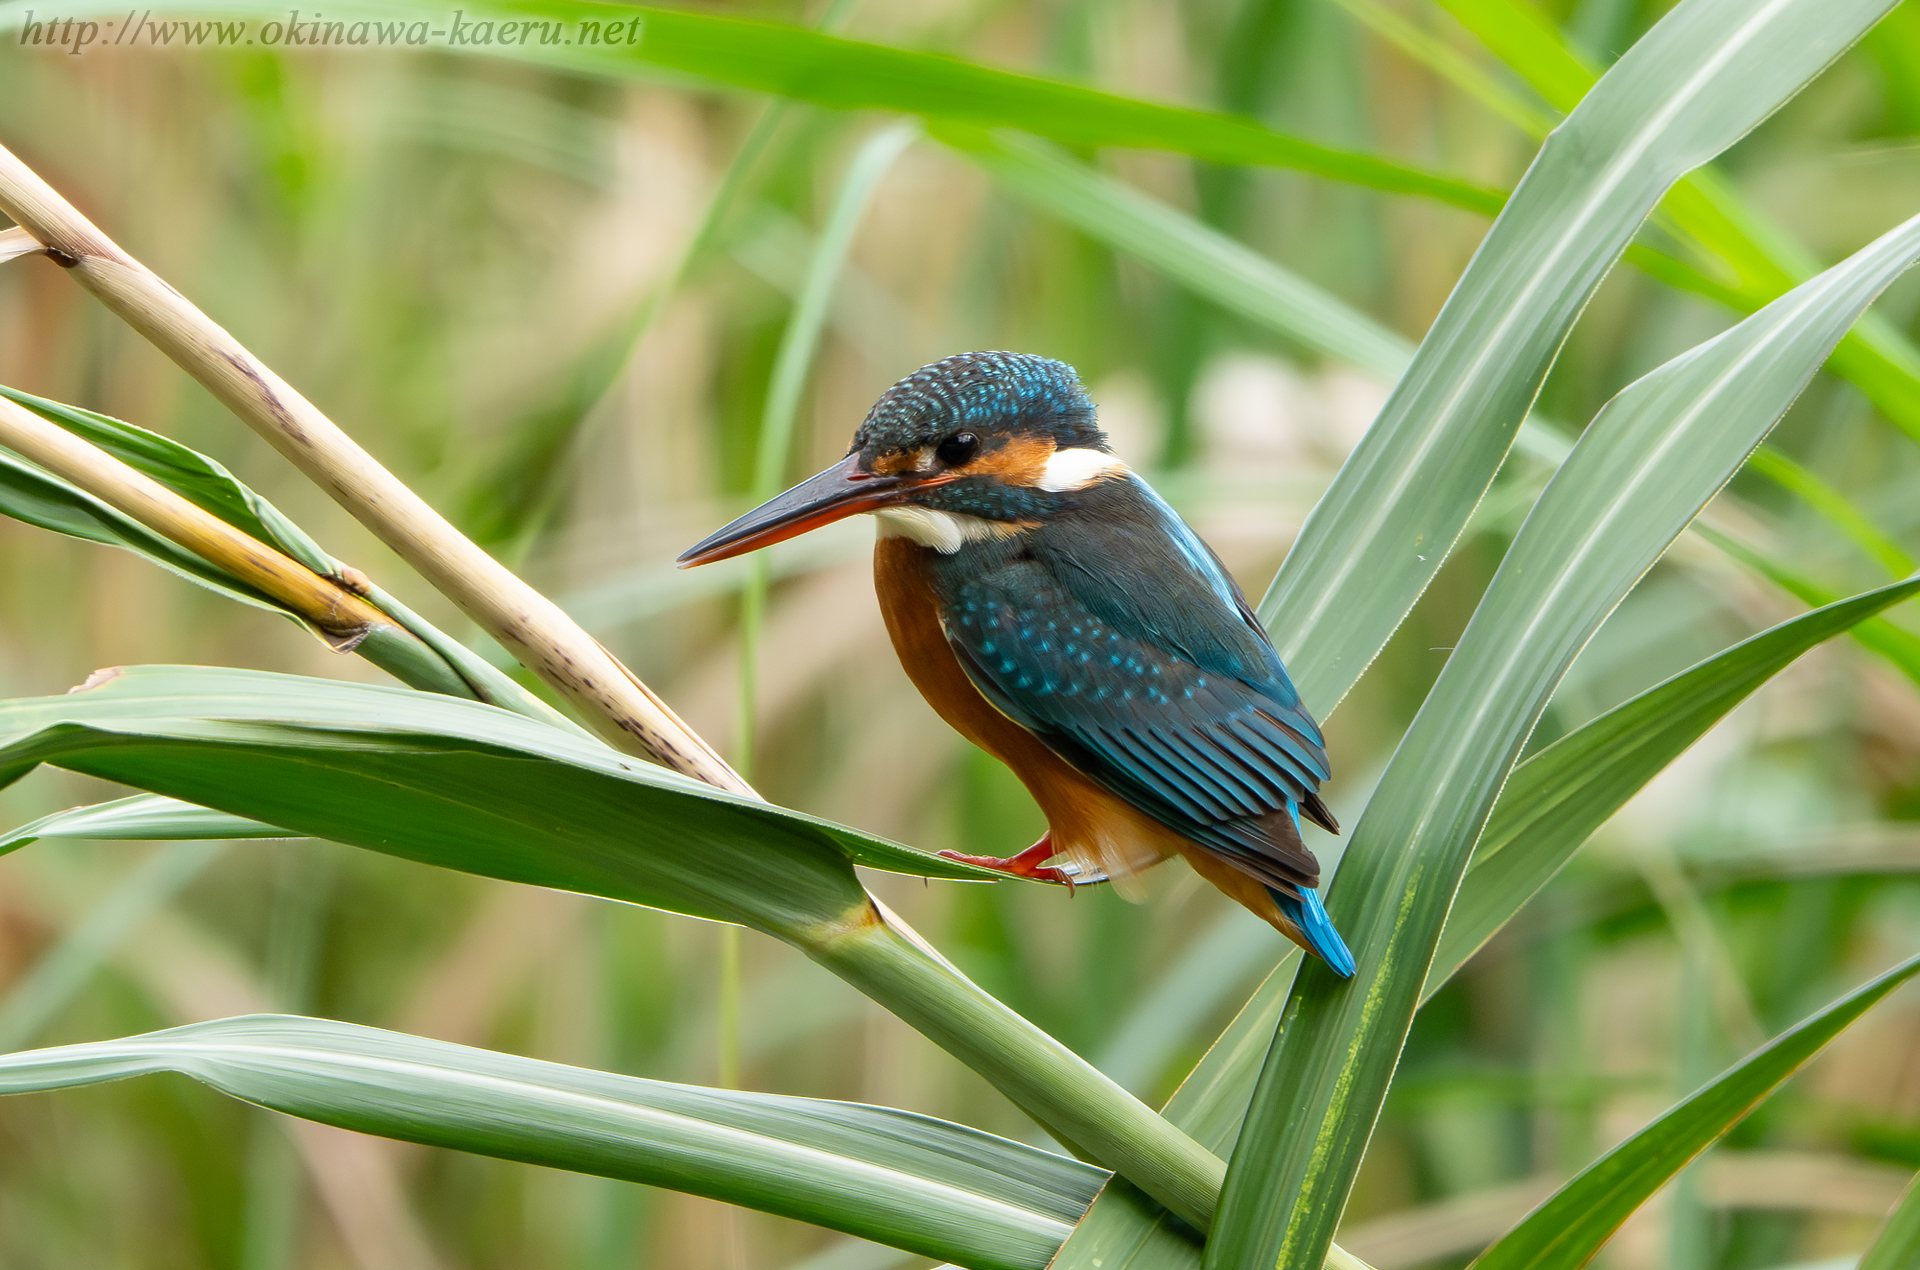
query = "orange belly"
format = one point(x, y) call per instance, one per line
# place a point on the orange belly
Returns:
point(1089, 825)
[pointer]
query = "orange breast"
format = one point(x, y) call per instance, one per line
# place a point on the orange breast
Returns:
point(1087, 823)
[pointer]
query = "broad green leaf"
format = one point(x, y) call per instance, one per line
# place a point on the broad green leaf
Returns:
point(466, 786)
point(1549, 807)
point(1897, 1247)
point(1762, 259)
point(453, 783)
point(1709, 72)
point(1643, 470)
point(936, 1188)
point(1568, 1230)
point(843, 74)
point(1556, 800)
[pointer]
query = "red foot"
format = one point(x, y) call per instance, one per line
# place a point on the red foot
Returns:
point(1030, 863)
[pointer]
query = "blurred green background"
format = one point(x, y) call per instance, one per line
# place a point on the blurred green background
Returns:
point(449, 256)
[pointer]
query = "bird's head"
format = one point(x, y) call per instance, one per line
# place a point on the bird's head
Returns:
point(978, 445)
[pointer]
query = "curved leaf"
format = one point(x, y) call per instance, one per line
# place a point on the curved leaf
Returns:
point(38, 498)
point(1644, 469)
point(428, 661)
point(1709, 72)
point(940, 1189)
point(453, 783)
point(1567, 1231)
point(470, 787)
point(1556, 800)
point(188, 473)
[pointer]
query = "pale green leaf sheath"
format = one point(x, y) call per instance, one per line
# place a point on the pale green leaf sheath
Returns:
point(1642, 471)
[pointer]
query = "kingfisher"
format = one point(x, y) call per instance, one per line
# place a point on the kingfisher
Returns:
point(1056, 612)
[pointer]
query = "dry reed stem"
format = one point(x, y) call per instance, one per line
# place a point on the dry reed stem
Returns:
point(323, 602)
point(531, 627)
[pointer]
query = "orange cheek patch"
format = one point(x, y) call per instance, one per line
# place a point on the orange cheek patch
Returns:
point(895, 462)
point(1018, 462)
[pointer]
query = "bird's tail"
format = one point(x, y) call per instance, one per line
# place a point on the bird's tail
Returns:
point(1309, 916)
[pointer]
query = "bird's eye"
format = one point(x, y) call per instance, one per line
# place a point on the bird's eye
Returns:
point(957, 449)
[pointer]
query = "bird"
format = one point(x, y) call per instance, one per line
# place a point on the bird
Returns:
point(1054, 610)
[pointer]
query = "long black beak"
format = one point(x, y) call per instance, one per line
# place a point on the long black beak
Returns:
point(840, 491)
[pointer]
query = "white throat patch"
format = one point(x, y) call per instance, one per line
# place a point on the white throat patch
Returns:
point(945, 532)
point(1076, 469)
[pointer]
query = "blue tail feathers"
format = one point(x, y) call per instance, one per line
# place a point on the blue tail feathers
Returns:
point(1310, 915)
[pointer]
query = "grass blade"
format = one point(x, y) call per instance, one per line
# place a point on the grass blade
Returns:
point(1559, 797)
point(1644, 469)
point(843, 74)
point(1762, 259)
point(1709, 72)
point(1203, 259)
point(939, 1189)
point(1567, 1231)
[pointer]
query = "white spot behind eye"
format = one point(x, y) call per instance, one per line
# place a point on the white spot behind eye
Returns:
point(1076, 469)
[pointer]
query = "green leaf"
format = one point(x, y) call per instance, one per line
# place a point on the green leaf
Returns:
point(190, 474)
point(1706, 75)
point(411, 650)
point(1556, 800)
point(1568, 1230)
point(1897, 1247)
point(38, 498)
point(466, 786)
point(939, 1189)
point(842, 74)
point(1762, 259)
point(457, 784)
point(1641, 472)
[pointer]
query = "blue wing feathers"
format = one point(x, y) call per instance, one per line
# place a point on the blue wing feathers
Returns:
point(1117, 639)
